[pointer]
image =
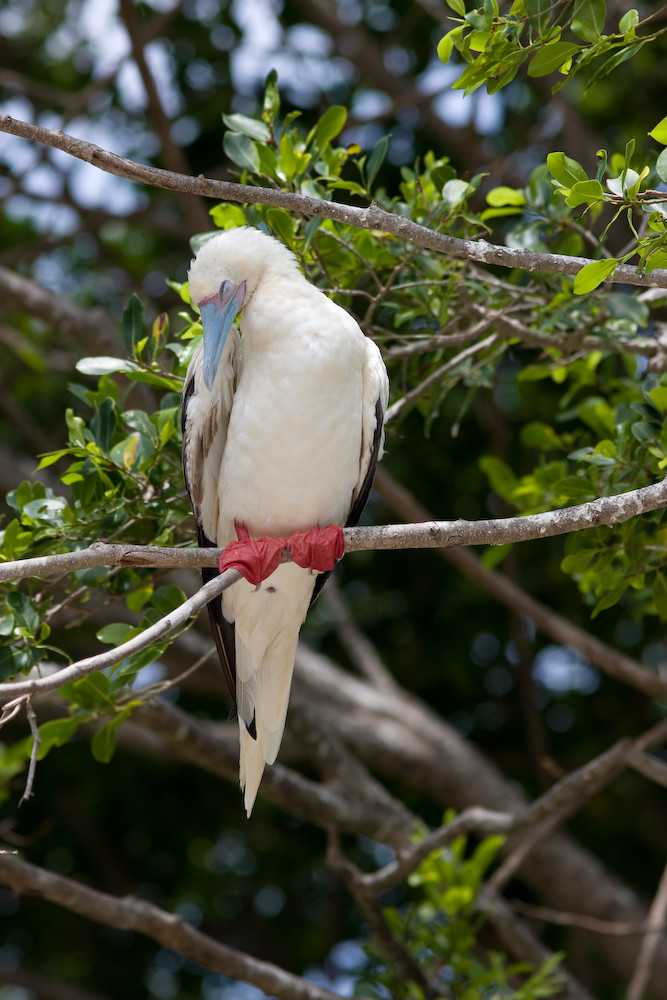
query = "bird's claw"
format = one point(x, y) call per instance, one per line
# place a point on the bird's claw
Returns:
point(257, 558)
point(317, 549)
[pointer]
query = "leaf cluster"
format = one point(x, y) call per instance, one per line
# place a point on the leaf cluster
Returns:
point(440, 928)
point(564, 37)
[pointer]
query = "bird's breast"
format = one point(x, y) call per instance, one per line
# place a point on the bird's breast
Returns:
point(294, 438)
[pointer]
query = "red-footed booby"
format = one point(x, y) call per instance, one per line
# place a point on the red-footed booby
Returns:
point(283, 425)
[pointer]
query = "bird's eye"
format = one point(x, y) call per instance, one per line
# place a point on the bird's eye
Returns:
point(223, 288)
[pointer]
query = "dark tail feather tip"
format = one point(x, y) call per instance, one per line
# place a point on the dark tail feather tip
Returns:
point(252, 728)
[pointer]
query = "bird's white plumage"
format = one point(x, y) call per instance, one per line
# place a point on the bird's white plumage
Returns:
point(282, 441)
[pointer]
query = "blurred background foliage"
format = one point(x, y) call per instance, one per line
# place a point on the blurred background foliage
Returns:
point(566, 405)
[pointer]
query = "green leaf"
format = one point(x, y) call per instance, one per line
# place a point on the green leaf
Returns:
point(589, 21)
point(659, 133)
point(271, 105)
point(629, 20)
point(90, 692)
point(585, 192)
point(541, 435)
point(114, 634)
point(565, 170)
point(446, 44)
point(103, 424)
point(578, 562)
point(501, 478)
point(288, 160)
point(376, 159)
point(594, 274)
point(329, 126)
point(551, 57)
point(166, 598)
point(282, 224)
point(56, 733)
point(661, 166)
point(241, 150)
point(494, 555)
point(611, 598)
point(454, 192)
point(103, 742)
point(458, 6)
point(225, 216)
point(248, 126)
point(659, 397)
point(133, 324)
point(505, 196)
point(22, 608)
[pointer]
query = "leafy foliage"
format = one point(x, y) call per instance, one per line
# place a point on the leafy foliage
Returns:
point(440, 929)
point(566, 38)
point(551, 390)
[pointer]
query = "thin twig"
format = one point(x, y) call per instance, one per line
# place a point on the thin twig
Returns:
point(374, 917)
point(36, 741)
point(555, 802)
point(649, 946)
point(437, 375)
point(610, 928)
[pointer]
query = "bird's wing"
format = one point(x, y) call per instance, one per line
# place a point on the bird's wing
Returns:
point(205, 419)
point(374, 406)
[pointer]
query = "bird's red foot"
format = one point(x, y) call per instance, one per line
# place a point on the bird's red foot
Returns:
point(317, 549)
point(257, 558)
point(254, 558)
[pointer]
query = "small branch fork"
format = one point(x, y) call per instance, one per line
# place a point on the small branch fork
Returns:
point(372, 217)
point(75, 671)
point(535, 821)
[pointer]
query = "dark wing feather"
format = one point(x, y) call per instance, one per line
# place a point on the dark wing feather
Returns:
point(223, 631)
point(361, 498)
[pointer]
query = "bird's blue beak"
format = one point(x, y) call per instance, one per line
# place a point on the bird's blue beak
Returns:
point(217, 315)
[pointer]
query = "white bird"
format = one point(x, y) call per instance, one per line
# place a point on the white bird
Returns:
point(283, 426)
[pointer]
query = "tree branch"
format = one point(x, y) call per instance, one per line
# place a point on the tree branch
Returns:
point(169, 930)
point(372, 217)
point(651, 942)
point(405, 741)
point(90, 327)
point(328, 805)
point(425, 534)
point(623, 668)
point(75, 671)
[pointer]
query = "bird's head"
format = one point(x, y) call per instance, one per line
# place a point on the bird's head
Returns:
point(224, 276)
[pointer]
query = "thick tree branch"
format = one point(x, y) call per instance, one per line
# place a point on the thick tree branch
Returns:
point(327, 805)
point(169, 930)
point(372, 217)
point(402, 739)
point(92, 328)
point(172, 154)
point(427, 534)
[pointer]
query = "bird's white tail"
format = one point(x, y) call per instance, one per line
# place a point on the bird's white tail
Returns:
point(267, 622)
